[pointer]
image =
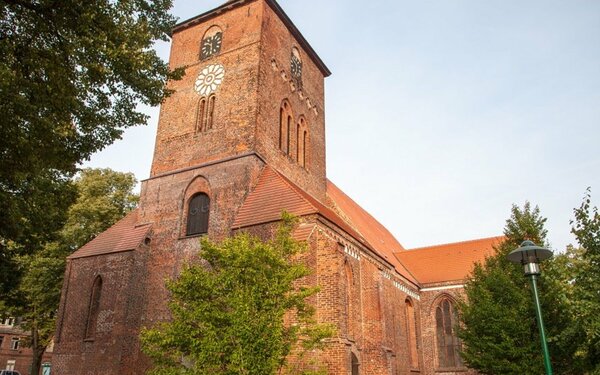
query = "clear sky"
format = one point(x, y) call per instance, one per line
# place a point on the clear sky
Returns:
point(441, 114)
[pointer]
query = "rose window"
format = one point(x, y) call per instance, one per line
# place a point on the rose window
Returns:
point(209, 79)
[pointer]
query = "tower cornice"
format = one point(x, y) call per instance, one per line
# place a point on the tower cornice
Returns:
point(277, 9)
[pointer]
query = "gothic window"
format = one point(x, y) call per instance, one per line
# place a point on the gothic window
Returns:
point(211, 43)
point(301, 137)
point(197, 217)
point(210, 112)
point(304, 148)
point(94, 307)
point(290, 130)
point(285, 127)
point(205, 113)
point(448, 344)
point(281, 133)
point(200, 115)
point(354, 364)
point(349, 292)
point(411, 333)
point(298, 142)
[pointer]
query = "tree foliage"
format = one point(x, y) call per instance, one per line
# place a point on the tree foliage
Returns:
point(498, 326)
point(104, 196)
point(72, 76)
point(228, 310)
point(586, 305)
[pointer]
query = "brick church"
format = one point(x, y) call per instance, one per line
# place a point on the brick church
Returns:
point(241, 139)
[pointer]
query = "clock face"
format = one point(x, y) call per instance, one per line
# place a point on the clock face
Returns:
point(209, 79)
point(211, 46)
point(296, 67)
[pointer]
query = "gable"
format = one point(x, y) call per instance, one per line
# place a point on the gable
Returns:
point(125, 235)
point(274, 193)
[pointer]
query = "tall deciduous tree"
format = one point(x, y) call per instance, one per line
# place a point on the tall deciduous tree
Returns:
point(104, 196)
point(586, 228)
point(498, 326)
point(72, 75)
point(228, 310)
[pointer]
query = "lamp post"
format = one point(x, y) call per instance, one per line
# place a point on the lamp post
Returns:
point(529, 255)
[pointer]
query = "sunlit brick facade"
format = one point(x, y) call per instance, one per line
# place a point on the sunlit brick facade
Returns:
point(241, 139)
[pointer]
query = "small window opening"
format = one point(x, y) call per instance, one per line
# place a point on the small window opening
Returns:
point(197, 218)
point(93, 309)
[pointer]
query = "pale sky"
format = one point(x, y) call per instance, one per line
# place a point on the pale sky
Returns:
point(442, 114)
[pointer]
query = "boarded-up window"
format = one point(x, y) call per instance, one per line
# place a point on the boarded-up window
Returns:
point(411, 334)
point(197, 219)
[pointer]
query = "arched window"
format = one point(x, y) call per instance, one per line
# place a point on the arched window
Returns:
point(349, 301)
point(354, 364)
point(301, 140)
point(304, 148)
point(290, 131)
point(298, 142)
point(205, 113)
point(197, 218)
point(448, 344)
point(93, 308)
point(211, 43)
point(281, 128)
point(286, 129)
point(200, 115)
point(411, 333)
point(210, 112)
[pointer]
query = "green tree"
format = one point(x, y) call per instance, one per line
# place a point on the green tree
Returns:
point(104, 197)
point(498, 327)
point(586, 228)
point(228, 310)
point(72, 76)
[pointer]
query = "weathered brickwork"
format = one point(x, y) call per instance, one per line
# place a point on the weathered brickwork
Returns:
point(363, 293)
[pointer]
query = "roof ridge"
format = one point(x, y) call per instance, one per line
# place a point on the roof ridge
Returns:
point(456, 243)
point(364, 211)
point(269, 176)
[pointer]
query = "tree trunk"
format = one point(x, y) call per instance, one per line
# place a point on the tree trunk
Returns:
point(37, 351)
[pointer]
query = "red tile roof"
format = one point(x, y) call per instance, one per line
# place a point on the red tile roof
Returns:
point(448, 262)
point(275, 193)
point(124, 235)
point(271, 196)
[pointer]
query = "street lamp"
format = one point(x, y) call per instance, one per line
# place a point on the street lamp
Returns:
point(530, 255)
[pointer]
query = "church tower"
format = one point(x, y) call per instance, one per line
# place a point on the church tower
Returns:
point(252, 85)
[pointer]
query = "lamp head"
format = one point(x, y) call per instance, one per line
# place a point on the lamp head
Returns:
point(529, 255)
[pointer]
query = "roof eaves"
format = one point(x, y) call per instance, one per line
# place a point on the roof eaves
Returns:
point(359, 238)
point(208, 14)
point(443, 245)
